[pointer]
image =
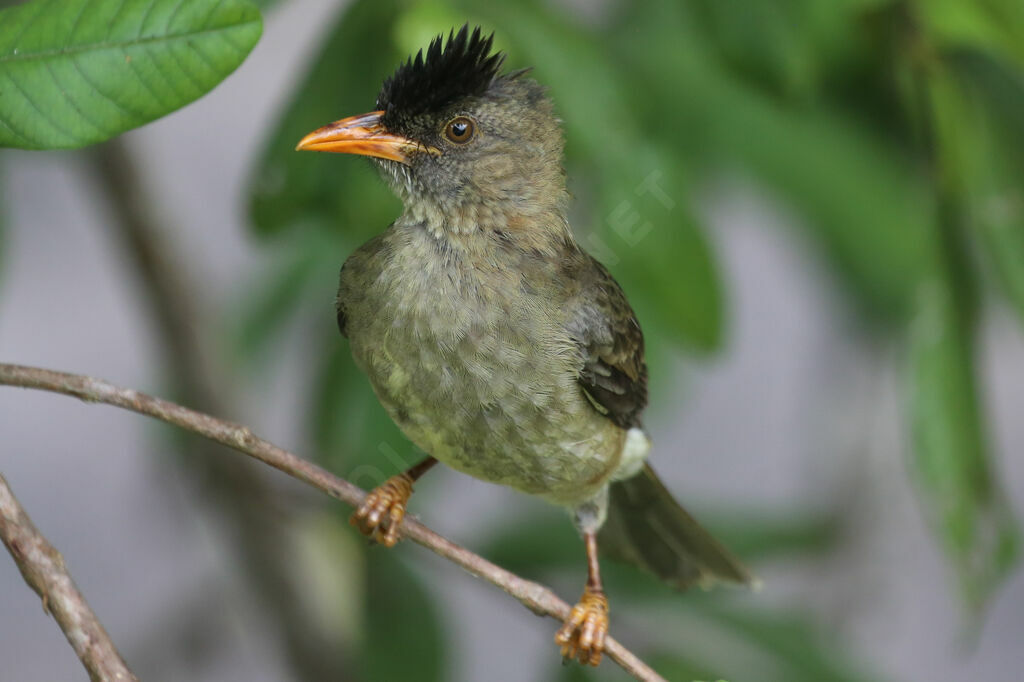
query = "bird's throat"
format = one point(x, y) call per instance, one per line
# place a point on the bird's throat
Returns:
point(482, 227)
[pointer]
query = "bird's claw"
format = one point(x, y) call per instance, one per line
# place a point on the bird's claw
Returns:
point(583, 634)
point(380, 515)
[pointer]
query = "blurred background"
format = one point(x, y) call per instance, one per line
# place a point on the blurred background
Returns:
point(817, 211)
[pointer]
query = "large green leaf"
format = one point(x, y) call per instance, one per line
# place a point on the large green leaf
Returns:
point(292, 188)
point(77, 72)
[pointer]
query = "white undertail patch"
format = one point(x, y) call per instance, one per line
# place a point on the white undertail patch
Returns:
point(634, 454)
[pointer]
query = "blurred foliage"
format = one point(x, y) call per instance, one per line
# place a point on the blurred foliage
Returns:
point(913, 201)
point(951, 444)
point(783, 646)
point(893, 130)
point(78, 72)
point(404, 638)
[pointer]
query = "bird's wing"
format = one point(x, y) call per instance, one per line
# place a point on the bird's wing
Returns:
point(362, 265)
point(645, 525)
point(613, 375)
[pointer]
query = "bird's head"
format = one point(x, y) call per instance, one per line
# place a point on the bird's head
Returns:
point(460, 143)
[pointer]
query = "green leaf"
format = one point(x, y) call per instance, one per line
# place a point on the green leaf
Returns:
point(77, 72)
point(987, 99)
point(291, 188)
point(951, 452)
point(404, 633)
point(951, 458)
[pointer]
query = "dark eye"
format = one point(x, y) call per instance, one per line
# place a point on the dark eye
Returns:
point(460, 129)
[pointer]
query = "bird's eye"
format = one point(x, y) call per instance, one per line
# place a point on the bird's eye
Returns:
point(460, 129)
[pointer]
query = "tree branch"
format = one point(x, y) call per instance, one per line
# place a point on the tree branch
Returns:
point(538, 598)
point(43, 568)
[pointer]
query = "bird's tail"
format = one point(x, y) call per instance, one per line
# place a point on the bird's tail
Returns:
point(648, 528)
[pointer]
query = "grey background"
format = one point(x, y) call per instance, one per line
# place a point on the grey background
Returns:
point(98, 485)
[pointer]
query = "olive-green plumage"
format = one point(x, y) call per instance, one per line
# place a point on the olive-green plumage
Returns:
point(493, 340)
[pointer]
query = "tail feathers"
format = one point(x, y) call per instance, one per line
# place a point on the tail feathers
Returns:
point(648, 528)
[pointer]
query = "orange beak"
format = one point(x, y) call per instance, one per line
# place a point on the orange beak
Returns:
point(362, 135)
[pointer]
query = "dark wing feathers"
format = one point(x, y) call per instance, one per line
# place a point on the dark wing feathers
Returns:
point(614, 374)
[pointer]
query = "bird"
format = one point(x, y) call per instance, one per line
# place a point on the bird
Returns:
point(497, 344)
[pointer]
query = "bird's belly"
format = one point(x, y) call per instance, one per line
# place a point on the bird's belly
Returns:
point(492, 404)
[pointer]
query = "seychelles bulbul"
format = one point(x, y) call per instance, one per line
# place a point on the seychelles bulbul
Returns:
point(498, 345)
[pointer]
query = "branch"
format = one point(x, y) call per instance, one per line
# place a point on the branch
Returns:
point(43, 568)
point(538, 598)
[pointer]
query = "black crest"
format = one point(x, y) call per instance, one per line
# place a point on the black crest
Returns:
point(463, 68)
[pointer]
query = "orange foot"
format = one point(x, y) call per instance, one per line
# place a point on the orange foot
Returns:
point(582, 636)
point(381, 513)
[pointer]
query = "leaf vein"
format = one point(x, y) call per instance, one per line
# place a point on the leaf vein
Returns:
point(188, 74)
point(120, 107)
point(119, 45)
point(144, 81)
point(145, 18)
point(78, 19)
point(67, 98)
point(173, 15)
point(110, 26)
point(42, 6)
point(42, 115)
point(14, 130)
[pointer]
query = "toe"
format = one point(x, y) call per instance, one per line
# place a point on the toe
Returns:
point(583, 634)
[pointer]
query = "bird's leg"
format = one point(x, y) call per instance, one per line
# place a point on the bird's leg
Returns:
point(583, 634)
point(381, 513)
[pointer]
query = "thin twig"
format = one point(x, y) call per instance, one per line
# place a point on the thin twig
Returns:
point(43, 568)
point(538, 598)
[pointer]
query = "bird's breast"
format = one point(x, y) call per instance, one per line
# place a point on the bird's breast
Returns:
point(475, 366)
